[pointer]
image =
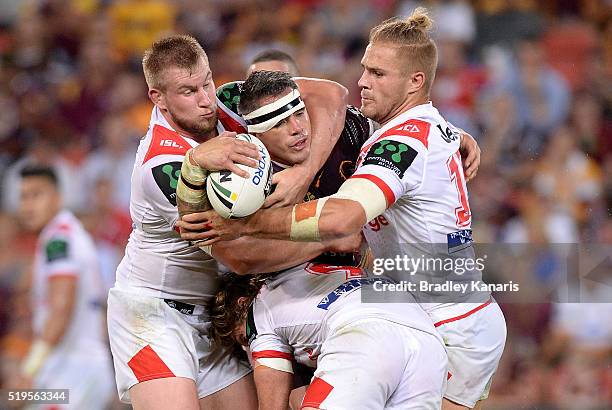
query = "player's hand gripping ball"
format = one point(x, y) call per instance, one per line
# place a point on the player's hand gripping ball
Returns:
point(233, 196)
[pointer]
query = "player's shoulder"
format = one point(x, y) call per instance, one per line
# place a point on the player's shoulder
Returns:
point(228, 98)
point(229, 95)
point(59, 236)
point(410, 130)
point(163, 142)
point(419, 124)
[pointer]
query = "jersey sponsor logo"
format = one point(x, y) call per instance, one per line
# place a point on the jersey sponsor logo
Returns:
point(392, 155)
point(184, 308)
point(459, 240)
point(251, 329)
point(166, 142)
point(166, 177)
point(348, 287)
point(377, 223)
point(447, 135)
point(56, 249)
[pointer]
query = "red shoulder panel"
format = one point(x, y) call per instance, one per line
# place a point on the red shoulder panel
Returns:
point(412, 128)
point(166, 142)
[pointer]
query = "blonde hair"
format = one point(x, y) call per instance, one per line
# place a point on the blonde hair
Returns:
point(412, 35)
point(180, 51)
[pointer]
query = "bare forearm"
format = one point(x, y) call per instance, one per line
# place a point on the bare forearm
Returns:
point(270, 224)
point(61, 299)
point(326, 103)
point(186, 208)
point(338, 218)
point(273, 388)
point(247, 255)
point(56, 325)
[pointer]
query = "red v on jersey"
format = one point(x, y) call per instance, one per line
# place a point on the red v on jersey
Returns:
point(412, 128)
point(166, 142)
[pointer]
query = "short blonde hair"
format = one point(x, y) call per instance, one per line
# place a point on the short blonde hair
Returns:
point(180, 51)
point(412, 35)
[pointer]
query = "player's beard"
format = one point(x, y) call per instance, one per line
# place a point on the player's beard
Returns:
point(199, 130)
point(369, 110)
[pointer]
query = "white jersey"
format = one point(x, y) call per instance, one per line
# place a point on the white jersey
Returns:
point(157, 261)
point(414, 159)
point(294, 312)
point(64, 248)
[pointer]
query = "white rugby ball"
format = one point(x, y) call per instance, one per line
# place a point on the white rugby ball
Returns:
point(233, 196)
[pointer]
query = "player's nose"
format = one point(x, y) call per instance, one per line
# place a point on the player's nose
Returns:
point(295, 126)
point(204, 99)
point(363, 80)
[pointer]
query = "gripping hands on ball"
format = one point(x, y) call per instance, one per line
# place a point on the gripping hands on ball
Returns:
point(225, 152)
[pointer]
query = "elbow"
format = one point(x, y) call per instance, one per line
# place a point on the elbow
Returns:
point(243, 269)
point(342, 94)
point(239, 267)
point(338, 98)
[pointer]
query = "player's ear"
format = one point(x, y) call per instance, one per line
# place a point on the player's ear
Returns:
point(243, 302)
point(157, 98)
point(417, 80)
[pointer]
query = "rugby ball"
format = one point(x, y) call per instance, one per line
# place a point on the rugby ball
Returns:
point(233, 196)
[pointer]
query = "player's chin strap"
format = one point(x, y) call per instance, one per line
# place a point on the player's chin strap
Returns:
point(266, 117)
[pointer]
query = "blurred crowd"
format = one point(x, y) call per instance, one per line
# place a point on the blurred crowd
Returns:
point(530, 80)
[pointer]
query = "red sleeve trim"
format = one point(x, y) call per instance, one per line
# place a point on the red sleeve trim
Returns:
point(389, 195)
point(463, 316)
point(271, 354)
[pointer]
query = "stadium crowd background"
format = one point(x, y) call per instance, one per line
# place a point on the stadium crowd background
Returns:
point(531, 80)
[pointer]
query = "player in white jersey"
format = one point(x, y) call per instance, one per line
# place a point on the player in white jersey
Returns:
point(69, 349)
point(158, 317)
point(366, 355)
point(410, 186)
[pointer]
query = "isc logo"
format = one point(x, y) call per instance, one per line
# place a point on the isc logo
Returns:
point(169, 143)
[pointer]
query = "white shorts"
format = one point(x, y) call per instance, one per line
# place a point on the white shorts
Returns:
point(374, 363)
point(150, 340)
point(88, 375)
point(475, 335)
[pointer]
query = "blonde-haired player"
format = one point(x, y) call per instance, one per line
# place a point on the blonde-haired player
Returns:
point(410, 186)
